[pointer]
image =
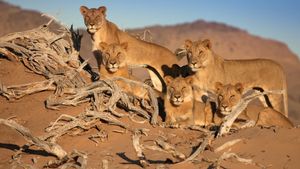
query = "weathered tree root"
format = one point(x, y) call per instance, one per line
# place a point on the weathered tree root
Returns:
point(138, 148)
point(238, 109)
point(49, 147)
point(83, 121)
point(207, 140)
point(75, 160)
point(19, 91)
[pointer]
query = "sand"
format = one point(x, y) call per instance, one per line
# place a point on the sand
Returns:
point(269, 147)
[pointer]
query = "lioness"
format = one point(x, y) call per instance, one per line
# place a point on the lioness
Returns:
point(230, 95)
point(114, 62)
point(261, 74)
point(139, 52)
point(180, 105)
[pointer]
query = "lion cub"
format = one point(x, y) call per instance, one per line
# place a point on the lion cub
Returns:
point(115, 65)
point(230, 95)
point(180, 106)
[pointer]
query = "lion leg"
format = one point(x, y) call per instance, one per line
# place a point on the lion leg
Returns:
point(208, 114)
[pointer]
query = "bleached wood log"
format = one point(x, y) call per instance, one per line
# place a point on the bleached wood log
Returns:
point(239, 108)
point(50, 147)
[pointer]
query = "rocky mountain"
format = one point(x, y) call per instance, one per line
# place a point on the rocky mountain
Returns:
point(228, 41)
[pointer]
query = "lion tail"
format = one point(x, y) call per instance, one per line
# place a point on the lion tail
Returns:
point(161, 79)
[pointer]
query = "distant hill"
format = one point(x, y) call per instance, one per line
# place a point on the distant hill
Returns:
point(228, 41)
point(14, 19)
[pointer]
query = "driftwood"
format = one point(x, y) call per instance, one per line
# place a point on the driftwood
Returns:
point(19, 91)
point(226, 155)
point(138, 147)
point(49, 147)
point(104, 164)
point(227, 145)
point(239, 108)
point(83, 121)
point(145, 36)
point(76, 159)
point(207, 140)
point(162, 146)
point(56, 57)
point(41, 50)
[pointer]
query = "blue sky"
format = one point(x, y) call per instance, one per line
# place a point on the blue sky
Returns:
point(275, 19)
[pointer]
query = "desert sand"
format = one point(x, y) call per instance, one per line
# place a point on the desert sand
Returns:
point(266, 147)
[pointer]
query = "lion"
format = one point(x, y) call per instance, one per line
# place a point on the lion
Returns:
point(260, 74)
point(181, 107)
point(139, 51)
point(229, 95)
point(114, 62)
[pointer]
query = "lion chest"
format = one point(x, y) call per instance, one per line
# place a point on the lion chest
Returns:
point(104, 36)
point(182, 111)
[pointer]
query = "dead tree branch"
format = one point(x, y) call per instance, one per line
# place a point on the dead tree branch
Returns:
point(51, 148)
point(239, 108)
point(138, 148)
point(18, 91)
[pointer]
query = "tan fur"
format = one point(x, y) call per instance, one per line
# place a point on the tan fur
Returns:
point(114, 64)
point(139, 52)
point(230, 95)
point(211, 68)
point(180, 105)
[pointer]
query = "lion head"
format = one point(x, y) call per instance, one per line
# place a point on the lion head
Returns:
point(179, 90)
point(113, 56)
point(228, 96)
point(198, 53)
point(93, 18)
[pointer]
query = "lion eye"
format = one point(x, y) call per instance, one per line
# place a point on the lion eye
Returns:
point(200, 52)
point(172, 89)
point(220, 97)
point(232, 96)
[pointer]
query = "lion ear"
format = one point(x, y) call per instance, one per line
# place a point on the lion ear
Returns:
point(188, 44)
point(168, 79)
point(206, 43)
point(189, 80)
point(124, 45)
point(239, 87)
point(102, 9)
point(103, 46)
point(83, 10)
point(218, 86)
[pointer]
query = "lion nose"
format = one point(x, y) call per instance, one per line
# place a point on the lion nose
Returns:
point(194, 63)
point(177, 96)
point(224, 106)
point(113, 62)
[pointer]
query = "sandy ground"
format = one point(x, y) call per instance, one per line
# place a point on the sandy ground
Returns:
point(272, 147)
